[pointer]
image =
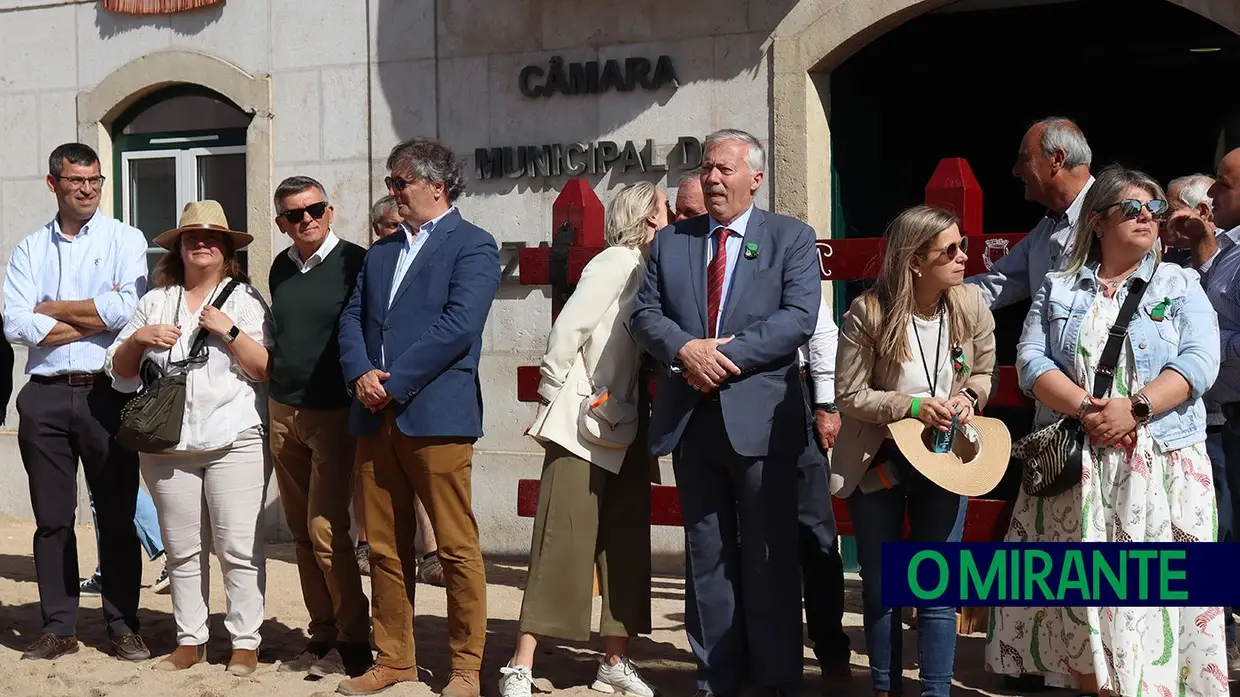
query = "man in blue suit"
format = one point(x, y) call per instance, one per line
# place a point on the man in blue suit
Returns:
point(727, 299)
point(410, 339)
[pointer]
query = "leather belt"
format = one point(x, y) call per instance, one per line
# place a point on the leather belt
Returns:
point(71, 379)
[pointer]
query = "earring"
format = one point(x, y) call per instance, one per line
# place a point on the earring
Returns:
point(1098, 234)
point(916, 273)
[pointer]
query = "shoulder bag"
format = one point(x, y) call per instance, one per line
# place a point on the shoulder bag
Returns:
point(151, 420)
point(605, 420)
point(1051, 456)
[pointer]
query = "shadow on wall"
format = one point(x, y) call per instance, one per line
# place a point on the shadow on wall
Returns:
point(482, 46)
point(112, 24)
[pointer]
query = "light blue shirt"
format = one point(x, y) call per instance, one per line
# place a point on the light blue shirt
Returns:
point(104, 262)
point(733, 247)
point(409, 252)
point(1222, 284)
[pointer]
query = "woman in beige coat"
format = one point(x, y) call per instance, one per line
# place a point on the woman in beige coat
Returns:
point(920, 344)
point(594, 499)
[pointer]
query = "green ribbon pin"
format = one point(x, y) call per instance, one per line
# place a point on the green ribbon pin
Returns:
point(1159, 313)
point(751, 250)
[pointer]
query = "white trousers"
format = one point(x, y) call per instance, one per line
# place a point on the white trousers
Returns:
point(223, 492)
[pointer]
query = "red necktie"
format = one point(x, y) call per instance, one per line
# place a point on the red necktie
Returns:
point(715, 274)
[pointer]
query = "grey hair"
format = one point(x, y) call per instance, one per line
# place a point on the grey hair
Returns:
point(430, 160)
point(757, 154)
point(626, 216)
point(1108, 188)
point(1194, 189)
point(1059, 133)
point(295, 185)
point(385, 205)
point(693, 175)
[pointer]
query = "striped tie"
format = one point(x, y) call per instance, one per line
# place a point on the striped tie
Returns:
point(715, 274)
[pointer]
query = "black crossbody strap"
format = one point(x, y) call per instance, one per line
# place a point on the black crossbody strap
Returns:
point(1104, 374)
point(200, 339)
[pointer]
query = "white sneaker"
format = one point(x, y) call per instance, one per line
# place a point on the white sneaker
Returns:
point(622, 677)
point(515, 681)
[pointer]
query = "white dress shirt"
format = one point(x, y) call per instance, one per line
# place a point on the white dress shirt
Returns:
point(819, 355)
point(104, 262)
point(329, 243)
point(220, 400)
point(733, 248)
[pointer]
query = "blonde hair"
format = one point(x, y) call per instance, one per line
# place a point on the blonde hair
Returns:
point(626, 216)
point(891, 300)
point(1109, 187)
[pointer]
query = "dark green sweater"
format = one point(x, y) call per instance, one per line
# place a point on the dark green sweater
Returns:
point(305, 309)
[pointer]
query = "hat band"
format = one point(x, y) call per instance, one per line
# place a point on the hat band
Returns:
point(204, 226)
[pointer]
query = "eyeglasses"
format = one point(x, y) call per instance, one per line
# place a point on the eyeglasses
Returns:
point(1131, 208)
point(80, 182)
point(296, 215)
point(396, 183)
point(953, 249)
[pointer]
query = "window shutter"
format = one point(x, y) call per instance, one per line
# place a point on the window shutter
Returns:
point(155, 7)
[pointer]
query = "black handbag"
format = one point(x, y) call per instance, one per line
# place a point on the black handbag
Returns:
point(1051, 456)
point(151, 420)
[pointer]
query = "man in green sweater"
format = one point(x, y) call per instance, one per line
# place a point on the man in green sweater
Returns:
point(311, 448)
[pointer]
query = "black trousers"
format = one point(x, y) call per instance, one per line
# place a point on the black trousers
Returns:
point(822, 568)
point(60, 425)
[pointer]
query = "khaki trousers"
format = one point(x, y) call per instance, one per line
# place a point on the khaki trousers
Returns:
point(314, 457)
point(395, 468)
point(587, 516)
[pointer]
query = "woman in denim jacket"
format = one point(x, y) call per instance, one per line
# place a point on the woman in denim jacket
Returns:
point(1146, 476)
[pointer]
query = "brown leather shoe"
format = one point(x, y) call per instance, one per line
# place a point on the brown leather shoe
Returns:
point(49, 647)
point(130, 647)
point(376, 680)
point(464, 683)
point(243, 662)
point(184, 656)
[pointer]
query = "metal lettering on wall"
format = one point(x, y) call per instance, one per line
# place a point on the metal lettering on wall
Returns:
point(576, 159)
point(591, 78)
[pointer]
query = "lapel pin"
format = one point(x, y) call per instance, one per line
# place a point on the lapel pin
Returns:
point(958, 364)
point(1159, 313)
point(751, 250)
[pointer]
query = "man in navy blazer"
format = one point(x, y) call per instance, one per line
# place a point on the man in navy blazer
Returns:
point(410, 339)
point(727, 299)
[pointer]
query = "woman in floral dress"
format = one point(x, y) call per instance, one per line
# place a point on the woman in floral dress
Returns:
point(1146, 476)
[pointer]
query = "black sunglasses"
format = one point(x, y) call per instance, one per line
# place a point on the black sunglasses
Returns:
point(396, 183)
point(296, 215)
point(1131, 208)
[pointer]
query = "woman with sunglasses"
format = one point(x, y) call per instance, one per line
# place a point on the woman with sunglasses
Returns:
point(220, 462)
point(920, 344)
point(1145, 473)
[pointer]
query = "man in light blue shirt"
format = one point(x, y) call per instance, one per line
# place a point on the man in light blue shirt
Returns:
point(68, 289)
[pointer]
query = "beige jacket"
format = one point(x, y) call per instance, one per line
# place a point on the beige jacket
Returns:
point(865, 381)
point(595, 319)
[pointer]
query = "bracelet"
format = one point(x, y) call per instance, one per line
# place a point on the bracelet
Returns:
point(1086, 403)
point(913, 410)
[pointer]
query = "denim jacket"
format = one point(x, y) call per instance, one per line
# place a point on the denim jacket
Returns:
point(1186, 341)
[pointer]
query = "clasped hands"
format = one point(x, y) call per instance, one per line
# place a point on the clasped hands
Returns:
point(370, 390)
point(705, 366)
point(939, 413)
point(1110, 422)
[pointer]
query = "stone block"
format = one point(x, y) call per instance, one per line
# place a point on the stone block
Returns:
point(313, 34)
point(524, 217)
point(296, 120)
point(34, 54)
point(57, 124)
point(108, 40)
point(402, 30)
point(519, 322)
point(670, 112)
point(402, 103)
point(576, 23)
point(486, 27)
point(504, 418)
point(215, 30)
point(464, 105)
point(28, 205)
point(520, 120)
point(19, 140)
point(742, 84)
point(344, 112)
point(692, 18)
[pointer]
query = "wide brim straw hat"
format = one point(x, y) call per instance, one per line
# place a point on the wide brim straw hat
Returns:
point(976, 462)
point(203, 215)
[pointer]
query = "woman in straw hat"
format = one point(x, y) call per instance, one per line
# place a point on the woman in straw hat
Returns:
point(919, 345)
point(220, 458)
point(1145, 471)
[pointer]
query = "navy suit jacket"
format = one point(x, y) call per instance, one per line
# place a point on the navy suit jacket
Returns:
point(431, 335)
point(771, 309)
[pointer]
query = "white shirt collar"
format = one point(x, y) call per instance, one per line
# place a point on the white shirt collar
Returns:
point(1074, 210)
point(736, 226)
point(329, 243)
point(424, 227)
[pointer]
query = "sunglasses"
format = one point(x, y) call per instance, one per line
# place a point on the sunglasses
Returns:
point(1131, 208)
point(396, 183)
point(953, 249)
point(296, 215)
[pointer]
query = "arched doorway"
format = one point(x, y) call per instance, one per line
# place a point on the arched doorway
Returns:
point(179, 144)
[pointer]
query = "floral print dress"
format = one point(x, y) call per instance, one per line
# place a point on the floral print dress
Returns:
point(1140, 495)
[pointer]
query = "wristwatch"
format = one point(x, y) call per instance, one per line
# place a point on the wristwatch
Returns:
point(828, 407)
point(232, 334)
point(1142, 410)
point(968, 392)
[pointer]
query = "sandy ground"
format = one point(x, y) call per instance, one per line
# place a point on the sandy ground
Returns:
point(563, 667)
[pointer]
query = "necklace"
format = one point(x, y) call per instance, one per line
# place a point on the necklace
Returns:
point(933, 382)
point(938, 312)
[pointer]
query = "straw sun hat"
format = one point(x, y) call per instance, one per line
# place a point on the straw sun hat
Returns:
point(203, 215)
point(974, 465)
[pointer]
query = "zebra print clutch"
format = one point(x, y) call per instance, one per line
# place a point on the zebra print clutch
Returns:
point(1051, 458)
